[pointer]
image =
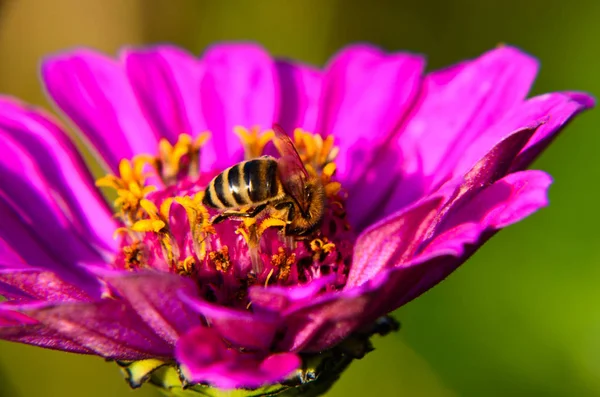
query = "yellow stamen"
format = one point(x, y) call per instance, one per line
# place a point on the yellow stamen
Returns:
point(240, 230)
point(186, 267)
point(120, 231)
point(148, 225)
point(315, 151)
point(318, 246)
point(169, 163)
point(157, 223)
point(108, 181)
point(130, 187)
point(332, 189)
point(329, 169)
point(270, 222)
point(327, 153)
point(253, 140)
point(199, 220)
point(269, 277)
point(150, 208)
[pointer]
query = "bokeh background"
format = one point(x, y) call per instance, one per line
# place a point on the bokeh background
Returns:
point(521, 318)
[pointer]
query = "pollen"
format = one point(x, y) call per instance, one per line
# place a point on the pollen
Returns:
point(321, 248)
point(283, 262)
point(220, 259)
point(135, 256)
point(186, 267)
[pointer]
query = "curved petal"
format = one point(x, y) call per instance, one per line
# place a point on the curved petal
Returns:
point(38, 284)
point(393, 239)
point(364, 97)
point(17, 327)
point(323, 322)
point(155, 298)
point(566, 106)
point(239, 87)
point(204, 357)
point(300, 87)
point(254, 331)
point(507, 201)
point(166, 81)
point(456, 105)
point(493, 165)
point(54, 170)
point(551, 111)
point(23, 248)
point(273, 299)
point(95, 93)
point(108, 327)
point(24, 189)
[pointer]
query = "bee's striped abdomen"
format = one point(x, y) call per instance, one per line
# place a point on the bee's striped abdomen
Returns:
point(246, 183)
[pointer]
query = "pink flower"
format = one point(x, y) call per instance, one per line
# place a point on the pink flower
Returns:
point(418, 172)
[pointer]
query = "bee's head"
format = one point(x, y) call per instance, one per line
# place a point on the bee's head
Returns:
point(310, 210)
point(313, 201)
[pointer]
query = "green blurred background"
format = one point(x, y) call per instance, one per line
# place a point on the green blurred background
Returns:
point(521, 318)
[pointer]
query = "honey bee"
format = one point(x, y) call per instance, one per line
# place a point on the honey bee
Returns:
point(266, 183)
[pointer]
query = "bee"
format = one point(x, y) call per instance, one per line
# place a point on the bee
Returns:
point(282, 185)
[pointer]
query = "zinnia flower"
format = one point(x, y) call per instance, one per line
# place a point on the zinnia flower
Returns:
point(418, 171)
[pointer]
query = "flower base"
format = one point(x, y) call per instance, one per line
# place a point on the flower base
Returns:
point(318, 373)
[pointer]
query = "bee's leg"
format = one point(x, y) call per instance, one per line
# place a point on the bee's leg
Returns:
point(288, 239)
point(290, 208)
point(239, 214)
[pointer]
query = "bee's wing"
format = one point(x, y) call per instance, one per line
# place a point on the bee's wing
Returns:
point(292, 172)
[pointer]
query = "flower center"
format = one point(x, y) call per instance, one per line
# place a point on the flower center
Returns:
point(167, 225)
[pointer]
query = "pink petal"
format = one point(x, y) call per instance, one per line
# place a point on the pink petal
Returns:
point(552, 110)
point(39, 284)
point(459, 104)
point(10, 318)
point(23, 248)
point(565, 107)
point(166, 81)
point(507, 201)
point(204, 357)
point(37, 148)
point(318, 324)
point(95, 93)
point(456, 106)
point(490, 168)
point(17, 327)
point(241, 328)
point(391, 240)
point(239, 88)
point(300, 87)
point(274, 299)
point(24, 190)
point(108, 327)
point(155, 298)
point(365, 95)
